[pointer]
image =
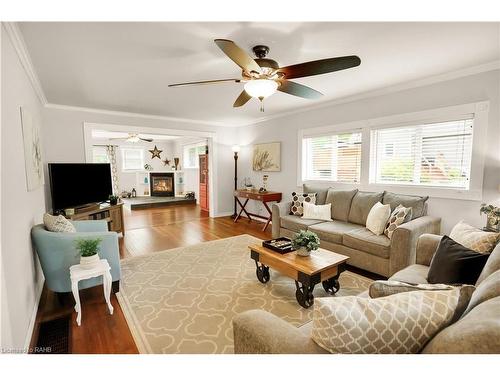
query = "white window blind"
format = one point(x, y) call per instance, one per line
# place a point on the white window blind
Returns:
point(333, 157)
point(132, 159)
point(434, 154)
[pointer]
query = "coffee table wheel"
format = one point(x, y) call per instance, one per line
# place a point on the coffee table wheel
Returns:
point(331, 286)
point(263, 273)
point(304, 295)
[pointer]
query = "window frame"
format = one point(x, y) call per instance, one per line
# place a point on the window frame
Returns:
point(131, 170)
point(191, 145)
point(477, 110)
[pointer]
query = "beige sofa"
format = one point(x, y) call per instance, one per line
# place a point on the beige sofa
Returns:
point(347, 233)
point(477, 331)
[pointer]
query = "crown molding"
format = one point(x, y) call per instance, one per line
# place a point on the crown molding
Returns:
point(135, 114)
point(493, 65)
point(22, 52)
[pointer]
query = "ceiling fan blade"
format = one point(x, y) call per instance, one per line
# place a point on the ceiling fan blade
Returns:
point(117, 139)
point(294, 88)
point(238, 55)
point(242, 99)
point(313, 68)
point(146, 139)
point(206, 82)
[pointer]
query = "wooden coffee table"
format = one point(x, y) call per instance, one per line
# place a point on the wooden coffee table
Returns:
point(321, 266)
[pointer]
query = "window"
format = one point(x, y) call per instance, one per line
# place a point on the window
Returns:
point(191, 153)
point(332, 157)
point(435, 154)
point(99, 154)
point(132, 159)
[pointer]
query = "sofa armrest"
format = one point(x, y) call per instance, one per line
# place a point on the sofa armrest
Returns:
point(279, 210)
point(427, 245)
point(260, 332)
point(404, 241)
point(90, 225)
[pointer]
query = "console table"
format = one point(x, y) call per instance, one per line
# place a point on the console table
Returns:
point(264, 197)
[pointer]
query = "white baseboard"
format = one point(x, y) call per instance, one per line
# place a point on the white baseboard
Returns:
point(222, 214)
point(31, 326)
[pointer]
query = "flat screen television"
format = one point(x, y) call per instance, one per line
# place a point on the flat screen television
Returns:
point(79, 184)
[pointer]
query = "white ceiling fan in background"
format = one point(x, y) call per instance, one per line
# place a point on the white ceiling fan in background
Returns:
point(132, 138)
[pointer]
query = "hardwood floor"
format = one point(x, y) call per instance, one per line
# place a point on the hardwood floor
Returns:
point(147, 231)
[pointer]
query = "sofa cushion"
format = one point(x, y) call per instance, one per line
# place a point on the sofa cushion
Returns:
point(400, 323)
point(384, 288)
point(488, 289)
point(413, 274)
point(361, 204)
point(320, 191)
point(492, 265)
point(58, 224)
point(296, 223)
point(377, 218)
point(318, 212)
point(341, 202)
point(417, 203)
point(334, 230)
point(399, 216)
point(453, 263)
point(476, 332)
point(364, 240)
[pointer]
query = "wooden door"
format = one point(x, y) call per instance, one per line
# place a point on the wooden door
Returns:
point(204, 182)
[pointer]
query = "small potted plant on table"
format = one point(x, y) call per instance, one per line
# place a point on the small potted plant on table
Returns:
point(304, 242)
point(113, 199)
point(88, 249)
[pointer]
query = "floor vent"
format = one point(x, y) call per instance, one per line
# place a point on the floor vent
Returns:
point(54, 337)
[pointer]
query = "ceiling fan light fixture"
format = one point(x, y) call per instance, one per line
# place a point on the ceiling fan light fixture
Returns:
point(261, 88)
point(133, 138)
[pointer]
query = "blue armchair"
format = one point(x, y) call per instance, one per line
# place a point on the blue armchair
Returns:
point(57, 253)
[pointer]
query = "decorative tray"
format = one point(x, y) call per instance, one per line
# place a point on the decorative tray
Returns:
point(281, 245)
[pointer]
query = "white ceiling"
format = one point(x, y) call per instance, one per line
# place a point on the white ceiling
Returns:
point(127, 66)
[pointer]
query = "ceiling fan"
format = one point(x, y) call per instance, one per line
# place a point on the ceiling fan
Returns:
point(263, 76)
point(133, 138)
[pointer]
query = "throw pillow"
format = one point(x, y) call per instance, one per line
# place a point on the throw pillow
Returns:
point(473, 238)
point(399, 216)
point(384, 288)
point(377, 218)
point(58, 224)
point(297, 202)
point(453, 263)
point(312, 211)
point(399, 324)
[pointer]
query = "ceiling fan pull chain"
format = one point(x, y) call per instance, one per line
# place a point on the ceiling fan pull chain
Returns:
point(261, 104)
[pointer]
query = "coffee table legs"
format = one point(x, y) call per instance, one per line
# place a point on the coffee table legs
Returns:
point(304, 294)
point(331, 286)
point(262, 272)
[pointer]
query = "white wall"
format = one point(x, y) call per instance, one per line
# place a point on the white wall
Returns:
point(64, 142)
point(21, 275)
point(479, 87)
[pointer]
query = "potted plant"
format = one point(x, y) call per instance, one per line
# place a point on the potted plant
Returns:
point(113, 199)
point(304, 242)
point(492, 216)
point(88, 249)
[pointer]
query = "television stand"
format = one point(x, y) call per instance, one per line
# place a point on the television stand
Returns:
point(113, 214)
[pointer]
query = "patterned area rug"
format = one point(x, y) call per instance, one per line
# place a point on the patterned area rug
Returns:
point(183, 300)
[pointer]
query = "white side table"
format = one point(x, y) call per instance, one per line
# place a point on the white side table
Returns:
point(78, 273)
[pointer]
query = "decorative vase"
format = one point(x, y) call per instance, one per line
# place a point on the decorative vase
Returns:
point(303, 251)
point(492, 223)
point(113, 202)
point(176, 161)
point(89, 262)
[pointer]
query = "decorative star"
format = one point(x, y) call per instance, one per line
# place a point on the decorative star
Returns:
point(155, 153)
point(166, 162)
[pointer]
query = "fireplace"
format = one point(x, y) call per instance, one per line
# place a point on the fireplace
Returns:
point(162, 184)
